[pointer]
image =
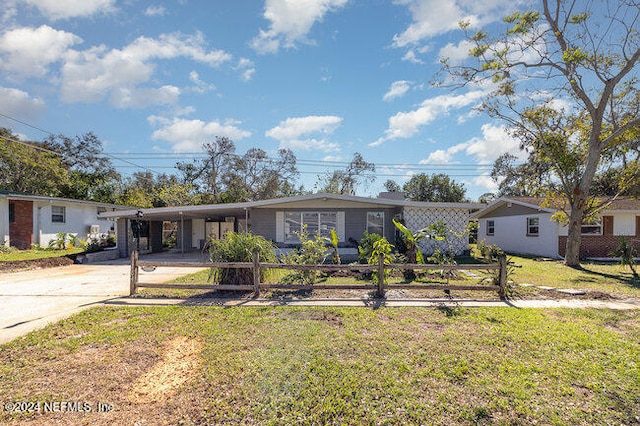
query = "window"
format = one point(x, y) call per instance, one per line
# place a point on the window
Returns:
point(533, 226)
point(592, 227)
point(491, 227)
point(12, 212)
point(316, 222)
point(58, 214)
point(375, 223)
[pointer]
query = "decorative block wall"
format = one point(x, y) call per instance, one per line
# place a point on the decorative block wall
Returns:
point(416, 218)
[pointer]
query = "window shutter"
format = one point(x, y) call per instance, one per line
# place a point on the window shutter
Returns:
point(340, 226)
point(279, 226)
point(607, 225)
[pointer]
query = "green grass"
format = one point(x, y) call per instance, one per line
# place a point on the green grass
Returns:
point(34, 254)
point(610, 278)
point(284, 365)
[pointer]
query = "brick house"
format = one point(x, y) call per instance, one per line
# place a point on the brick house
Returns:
point(35, 219)
point(522, 225)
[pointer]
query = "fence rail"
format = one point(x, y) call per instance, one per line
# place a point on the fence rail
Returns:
point(256, 266)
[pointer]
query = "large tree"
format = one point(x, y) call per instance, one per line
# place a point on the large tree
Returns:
point(256, 176)
point(92, 176)
point(344, 181)
point(434, 188)
point(568, 63)
point(30, 167)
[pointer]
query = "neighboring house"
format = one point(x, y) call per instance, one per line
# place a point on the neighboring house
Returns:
point(522, 225)
point(33, 219)
point(279, 219)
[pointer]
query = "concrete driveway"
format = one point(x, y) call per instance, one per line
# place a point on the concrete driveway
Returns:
point(32, 299)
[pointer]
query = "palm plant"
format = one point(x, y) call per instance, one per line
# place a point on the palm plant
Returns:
point(627, 254)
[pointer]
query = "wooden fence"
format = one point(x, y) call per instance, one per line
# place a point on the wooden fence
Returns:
point(380, 268)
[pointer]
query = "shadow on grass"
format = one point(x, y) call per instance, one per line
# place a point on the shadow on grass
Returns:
point(630, 280)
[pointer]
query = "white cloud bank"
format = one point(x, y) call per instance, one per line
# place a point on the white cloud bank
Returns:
point(484, 149)
point(64, 9)
point(407, 124)
point(188, 135)
point(296, 133)
point(97, 73)
point(290, 22)
point(17, 103)
point(28, 52)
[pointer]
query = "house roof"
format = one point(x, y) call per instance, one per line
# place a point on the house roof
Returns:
point(620, 204)
point(13, 195)
point(321, 200)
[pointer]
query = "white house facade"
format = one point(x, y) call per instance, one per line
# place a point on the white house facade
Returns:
point(26, 220)
point(521, 225)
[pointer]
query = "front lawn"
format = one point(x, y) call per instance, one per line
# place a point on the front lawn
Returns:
point(284, 365)
point(34, 254)
point(611, 278)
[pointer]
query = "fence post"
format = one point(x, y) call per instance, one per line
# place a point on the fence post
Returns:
point(256, 273)
point(502, 275)
point(381, 275)
point(133, 278)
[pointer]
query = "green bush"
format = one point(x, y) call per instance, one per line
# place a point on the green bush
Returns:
point(312, 251)
point(365, 247)
point(384, 248)
point(239, 247)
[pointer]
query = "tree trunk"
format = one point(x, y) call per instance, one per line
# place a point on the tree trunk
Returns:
point(574, 237)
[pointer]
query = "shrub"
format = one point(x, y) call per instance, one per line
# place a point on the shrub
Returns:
point(384, 248)
point(626, 252)
point(312, 251)
point(365, 247)
point(239, 247)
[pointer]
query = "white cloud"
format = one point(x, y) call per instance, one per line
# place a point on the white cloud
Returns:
point(456, 54)
point(144, 97)
point(200, 86)
point(17, 103)
point(444, 156)
point(247, 69)
point(485, 149)
point(63, 9)
point(295, 133)
point(29, 51)
point(410, 56)
point(494, 142)
point(487, 182)
point(435, 17)
point(430, 18)
point(290, 22)
point(96, 73)
point(407, 124)
point(155, 11)
point(189, 135)
point(397, 90)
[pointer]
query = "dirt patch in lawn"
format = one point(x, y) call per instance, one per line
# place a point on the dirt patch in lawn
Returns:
point(180, 363)
point(49, 262)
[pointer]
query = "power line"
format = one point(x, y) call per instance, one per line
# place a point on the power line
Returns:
point(58, 153)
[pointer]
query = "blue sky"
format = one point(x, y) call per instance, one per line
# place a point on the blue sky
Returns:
point(326, 78)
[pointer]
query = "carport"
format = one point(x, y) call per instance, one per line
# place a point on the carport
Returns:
point(195, 225)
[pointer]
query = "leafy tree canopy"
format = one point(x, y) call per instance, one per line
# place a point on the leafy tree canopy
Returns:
point(434, 188)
